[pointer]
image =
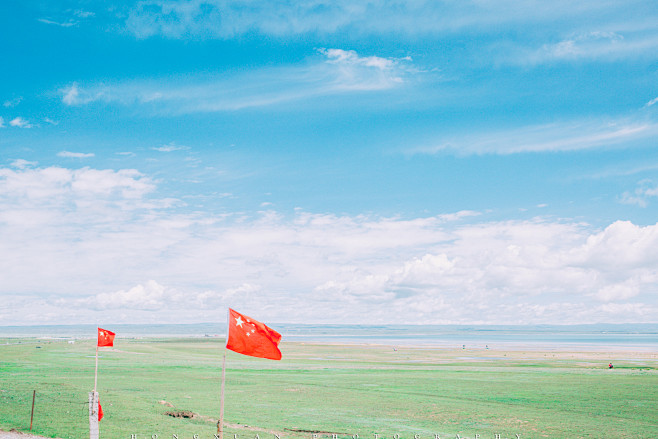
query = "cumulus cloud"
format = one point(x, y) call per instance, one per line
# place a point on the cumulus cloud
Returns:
point(107, 232)
point(26, 186)
point(148, 296)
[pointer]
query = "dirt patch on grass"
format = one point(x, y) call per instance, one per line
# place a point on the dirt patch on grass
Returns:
point(301, 430)
point(182, 414)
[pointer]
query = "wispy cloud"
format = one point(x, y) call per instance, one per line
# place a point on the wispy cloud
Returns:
point(12, 102)
point(651, 102)
point(337, 71)
point(75, 155)
point(84, 14)
point(589, 44)
point(643, 193)
point(228, 18)
point(566, 136)
point(171, 147)
point(68, 18)
point(68, 23)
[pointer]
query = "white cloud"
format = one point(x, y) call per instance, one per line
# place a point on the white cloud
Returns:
point(230, 18)
point(337, 71)
point(651, 102)
point(69, 23)
point(13, 102)
point(622, 43)
point(354, 72)
point(566, 136)
point(171, 147)
point(22, 164)
point(76, 155)
point(641, 196)
point(82, 227)
point(19, 122)
point(48, 187)
point(72, 95)
point(149, 296)
point(84, 14)
point(588, 45)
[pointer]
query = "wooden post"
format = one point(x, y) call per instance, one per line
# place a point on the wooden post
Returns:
point(34, 395)
point(93, 415)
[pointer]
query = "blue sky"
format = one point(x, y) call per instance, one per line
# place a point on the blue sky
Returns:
point(311, 161)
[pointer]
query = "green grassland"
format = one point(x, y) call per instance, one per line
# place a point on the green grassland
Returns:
point(329, 389)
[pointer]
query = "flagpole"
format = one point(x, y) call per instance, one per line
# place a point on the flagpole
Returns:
point(93, 401)
point(220, 424)
point(96, 371)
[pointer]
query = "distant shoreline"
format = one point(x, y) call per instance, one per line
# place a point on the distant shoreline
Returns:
point(597, 337)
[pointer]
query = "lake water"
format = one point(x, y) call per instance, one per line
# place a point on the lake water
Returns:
point(600, 336)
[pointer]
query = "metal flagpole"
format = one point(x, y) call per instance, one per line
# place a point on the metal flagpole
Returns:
point(96, 371)
point(93, 401)
point(220, 424)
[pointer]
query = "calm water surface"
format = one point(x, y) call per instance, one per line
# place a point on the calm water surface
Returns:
point(600, 336)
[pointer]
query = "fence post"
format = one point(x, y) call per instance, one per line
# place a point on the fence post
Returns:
point(93, 415)
point(34, 395)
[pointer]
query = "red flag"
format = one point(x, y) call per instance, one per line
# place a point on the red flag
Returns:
point(105, 337)
point(250, 337)
point(100, 410)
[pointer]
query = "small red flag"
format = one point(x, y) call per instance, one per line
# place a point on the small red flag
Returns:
point(250, 337)
point(100, 410)
point(105, 337)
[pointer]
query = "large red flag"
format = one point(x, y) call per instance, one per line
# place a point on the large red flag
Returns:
point(250, 337)
point(105, 337)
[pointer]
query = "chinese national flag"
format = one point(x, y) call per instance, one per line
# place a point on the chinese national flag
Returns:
point(250, 337)
point(105, 337)
point(100, 410)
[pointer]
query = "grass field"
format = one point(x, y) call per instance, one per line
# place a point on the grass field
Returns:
point(330, 389)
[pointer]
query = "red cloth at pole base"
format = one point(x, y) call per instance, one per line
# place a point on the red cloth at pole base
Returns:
point(250, 337)
point(100, 410)
point(105, 337)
